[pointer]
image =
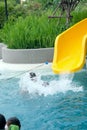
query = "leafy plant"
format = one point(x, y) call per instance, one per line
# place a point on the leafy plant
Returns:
point(31, 32)
point(35, 30)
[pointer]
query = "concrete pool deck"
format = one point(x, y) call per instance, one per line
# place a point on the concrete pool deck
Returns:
point(22, 67)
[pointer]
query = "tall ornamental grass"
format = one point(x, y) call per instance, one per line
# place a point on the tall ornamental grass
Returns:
point(31, 32)
point(37, 31)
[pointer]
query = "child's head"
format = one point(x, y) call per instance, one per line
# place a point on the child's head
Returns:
point(13, 123)
point(2, 121)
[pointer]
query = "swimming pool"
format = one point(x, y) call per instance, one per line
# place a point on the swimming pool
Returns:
point(59, 105)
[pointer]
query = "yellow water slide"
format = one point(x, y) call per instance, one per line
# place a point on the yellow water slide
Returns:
point(70, 49)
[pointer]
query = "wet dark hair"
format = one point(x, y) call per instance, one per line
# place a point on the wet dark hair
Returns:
point(32, 74)
point(2, 121)
point(14, 121)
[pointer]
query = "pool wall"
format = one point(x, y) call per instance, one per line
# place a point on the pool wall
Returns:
point(26, 56)
point(1, 46)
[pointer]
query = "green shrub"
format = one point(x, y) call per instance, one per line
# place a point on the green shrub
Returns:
point(14, 11)
point(78, 16)
point(36, 30)
point(2, 14)
point(31, 32)
point(80, 12)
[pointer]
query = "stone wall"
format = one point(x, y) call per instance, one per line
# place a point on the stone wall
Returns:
point(1, 46)
point(26, 56)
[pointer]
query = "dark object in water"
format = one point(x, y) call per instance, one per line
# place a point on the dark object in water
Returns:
point(33, 77)
point(32, 74)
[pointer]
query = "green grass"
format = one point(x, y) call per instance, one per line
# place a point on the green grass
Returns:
point(31, 32)
point(36, 30)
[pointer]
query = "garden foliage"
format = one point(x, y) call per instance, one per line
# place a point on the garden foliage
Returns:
point(28, 25)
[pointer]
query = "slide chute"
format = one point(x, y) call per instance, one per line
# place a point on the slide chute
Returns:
point(70, 49)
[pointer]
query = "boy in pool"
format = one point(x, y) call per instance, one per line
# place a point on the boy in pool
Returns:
point(2, 122)
point(13, 123)
point(33, 77)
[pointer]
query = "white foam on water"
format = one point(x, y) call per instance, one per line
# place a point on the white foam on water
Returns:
point(63, 84)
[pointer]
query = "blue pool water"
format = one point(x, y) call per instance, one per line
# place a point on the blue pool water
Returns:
point(59, 105)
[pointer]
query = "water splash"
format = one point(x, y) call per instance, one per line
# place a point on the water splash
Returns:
point(63, 84)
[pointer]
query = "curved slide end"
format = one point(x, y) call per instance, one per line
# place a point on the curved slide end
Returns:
point(70, 49)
